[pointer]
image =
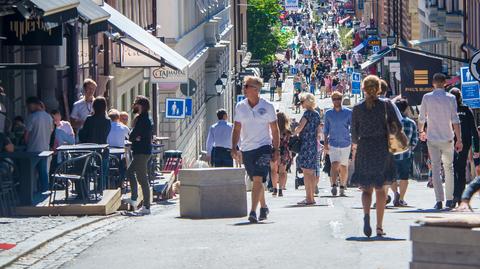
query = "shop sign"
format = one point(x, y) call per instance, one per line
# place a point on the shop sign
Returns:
point(291, 5)
point(375, 42)
point(22, 32)
point(130, 57)
point(371, 31)
point(167, 75)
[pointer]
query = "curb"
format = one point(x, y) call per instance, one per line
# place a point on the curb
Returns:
point(35, 242)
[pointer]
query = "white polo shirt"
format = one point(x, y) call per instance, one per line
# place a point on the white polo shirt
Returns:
point(255, 122)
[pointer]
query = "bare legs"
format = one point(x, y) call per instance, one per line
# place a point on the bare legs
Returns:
point(336, 171)
point(310, 179)
point(274, 174)
point(258, 194)
point(367, 202)
point(282, 176)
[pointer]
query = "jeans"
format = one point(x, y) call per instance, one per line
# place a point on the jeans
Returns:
point(471, 189)
point(221, 157)
point(137, 171)
point(459, 165)
point(442, 152)
point(42, 174)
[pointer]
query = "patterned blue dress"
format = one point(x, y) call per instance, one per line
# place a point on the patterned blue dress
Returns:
point(307, 158)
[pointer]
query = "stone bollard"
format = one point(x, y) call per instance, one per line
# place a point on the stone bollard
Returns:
point(212, 193)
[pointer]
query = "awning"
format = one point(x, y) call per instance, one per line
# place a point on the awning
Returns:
point(375, 58)
point(429, 41)
point(91, 13)
point(359, 47)
point(138, 34)
point(50, 7)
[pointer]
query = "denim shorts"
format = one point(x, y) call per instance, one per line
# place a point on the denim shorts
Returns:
point(257, 162)
point(403, 168)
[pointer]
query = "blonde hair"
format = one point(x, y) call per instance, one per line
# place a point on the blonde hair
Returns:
point(255, 80)
point(308, 100)
point(371, 85)
point(337, 94)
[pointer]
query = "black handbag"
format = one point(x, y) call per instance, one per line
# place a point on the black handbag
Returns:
point(294, 144)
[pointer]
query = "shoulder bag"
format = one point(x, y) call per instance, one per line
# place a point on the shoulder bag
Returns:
point(397, 140)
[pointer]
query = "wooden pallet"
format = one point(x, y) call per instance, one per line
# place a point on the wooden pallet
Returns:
point(109, 203)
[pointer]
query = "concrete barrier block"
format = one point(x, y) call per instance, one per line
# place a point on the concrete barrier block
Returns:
point(212, 193)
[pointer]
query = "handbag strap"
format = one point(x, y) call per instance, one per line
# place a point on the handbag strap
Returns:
point(386, 117)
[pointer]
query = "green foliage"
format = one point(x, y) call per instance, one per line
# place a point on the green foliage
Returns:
point(265, 35)
point(347, 42)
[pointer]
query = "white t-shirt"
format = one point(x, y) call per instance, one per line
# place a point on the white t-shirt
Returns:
point(82, 109)
point(255, 122)
point(118, 134)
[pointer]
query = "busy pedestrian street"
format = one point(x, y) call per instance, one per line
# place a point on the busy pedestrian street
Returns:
point(239, 134)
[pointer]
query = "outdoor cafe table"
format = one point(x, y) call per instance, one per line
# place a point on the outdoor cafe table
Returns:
point(102, 149)
point(26, 163)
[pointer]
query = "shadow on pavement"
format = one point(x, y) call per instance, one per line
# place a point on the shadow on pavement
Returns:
point(372, 208)
point(336, 196)
point(247, 223)
point(376, 238)
point(295, 206)
point(425, 211)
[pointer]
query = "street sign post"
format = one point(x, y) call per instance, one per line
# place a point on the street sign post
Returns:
point(475, 66)
point(174, 108)
point(375, 49)
point(349, 70)
point(470, 88)
point(356, 79)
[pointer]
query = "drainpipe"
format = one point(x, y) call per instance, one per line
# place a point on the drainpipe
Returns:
point(463, 47)
point(154, 85)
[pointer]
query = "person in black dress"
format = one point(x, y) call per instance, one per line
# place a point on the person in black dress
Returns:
point(374, 165)
point(469, 135)
point(96, 126)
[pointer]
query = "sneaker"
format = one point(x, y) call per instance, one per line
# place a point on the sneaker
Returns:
point(132, 203)
point(402, 203)
point(438, 206)
point(334, 190)
point(280, 193)
point(396, 199)
point(450, 204)
point(342, 191)
point(252, 217)
point(263, 213)
point(274, 192)
point(389, 199)
point(143, 211)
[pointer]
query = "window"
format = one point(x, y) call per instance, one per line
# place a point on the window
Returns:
point(140, 88)
point(124, 102)
point(147, 90)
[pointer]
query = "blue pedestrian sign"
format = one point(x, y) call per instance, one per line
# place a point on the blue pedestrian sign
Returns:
point(375, 49)
point(240, 98)
point(349, 70)
point(188, 107)
point(470, 88)
point(174, 108)
point(356, 80)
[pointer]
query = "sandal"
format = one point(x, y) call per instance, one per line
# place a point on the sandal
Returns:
point(380, 232)
point(304, 202)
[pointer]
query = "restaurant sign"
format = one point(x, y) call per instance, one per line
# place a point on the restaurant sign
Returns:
point(167, 75)
point(130, 57)
point(22, 32)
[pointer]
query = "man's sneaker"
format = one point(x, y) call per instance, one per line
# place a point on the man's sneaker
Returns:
point(274, 193)
point(252, 217)
point(450, 204)
point(334, 190)
point(132, 203)
point(263, 213)
point(389, 199)
point(396, 199)
point(280, 192)
point(143, 211)
point(402, 203)
point(342, 191)
point(438, 206)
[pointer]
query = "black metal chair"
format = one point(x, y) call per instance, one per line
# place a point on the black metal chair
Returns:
point(8, 184)
point(79, 170)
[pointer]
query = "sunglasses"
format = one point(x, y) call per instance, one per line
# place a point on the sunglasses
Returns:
point(246, 86)
point(337, 99)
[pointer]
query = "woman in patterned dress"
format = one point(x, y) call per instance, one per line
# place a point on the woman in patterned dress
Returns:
point(279, 168)
point(374, 164)
point(309, 131)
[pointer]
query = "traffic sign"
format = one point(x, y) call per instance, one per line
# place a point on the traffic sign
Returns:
point(240, 98)
point(375, 49)
point(188, 107)
point(356, 79)
point(470, 88)
point(466, 75)
point(174, 108)
point(475, 66)
point(349, 70)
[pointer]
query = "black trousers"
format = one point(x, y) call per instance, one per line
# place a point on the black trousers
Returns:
point(221, 157)
point(459, 167)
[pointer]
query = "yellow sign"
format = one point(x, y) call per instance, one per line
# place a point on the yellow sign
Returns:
point(420, 77)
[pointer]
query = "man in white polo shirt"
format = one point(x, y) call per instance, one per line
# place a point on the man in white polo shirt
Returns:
point(256, 126)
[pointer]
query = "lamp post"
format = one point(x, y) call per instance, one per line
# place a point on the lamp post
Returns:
point(219, 87)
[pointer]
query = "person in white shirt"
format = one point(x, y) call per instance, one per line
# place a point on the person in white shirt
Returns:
point(219, 141)
point(83, 107)
point(118, 132)
point(257, 128)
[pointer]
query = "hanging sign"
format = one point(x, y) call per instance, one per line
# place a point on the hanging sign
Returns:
point(470, 88)
point(167, 75)
point(291, 5)
point(475, 66)
point(174, 108)
point(22, 32)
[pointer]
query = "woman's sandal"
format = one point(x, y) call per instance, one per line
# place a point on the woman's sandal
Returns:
point(380, 232)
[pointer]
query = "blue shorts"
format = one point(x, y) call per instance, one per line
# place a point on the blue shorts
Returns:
point(257, 162)
point(403, 168)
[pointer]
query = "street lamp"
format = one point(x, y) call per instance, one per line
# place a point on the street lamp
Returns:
point(219, 86)
point(224, 79)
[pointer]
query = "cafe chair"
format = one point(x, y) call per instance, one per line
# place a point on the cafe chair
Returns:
point(80, 171)
point(8, 192)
